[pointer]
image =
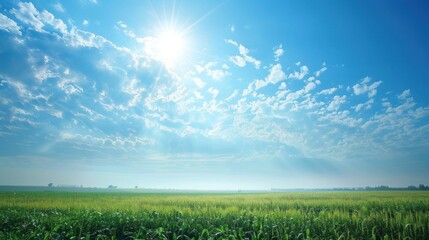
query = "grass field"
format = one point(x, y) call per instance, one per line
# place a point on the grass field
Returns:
point(330, 215)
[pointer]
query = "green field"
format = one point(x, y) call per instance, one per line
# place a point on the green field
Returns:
point(329, 215)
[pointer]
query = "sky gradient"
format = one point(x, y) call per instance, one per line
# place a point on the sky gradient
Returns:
point(214, 95)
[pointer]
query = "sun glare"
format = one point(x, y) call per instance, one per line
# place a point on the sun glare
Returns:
point(170, 47)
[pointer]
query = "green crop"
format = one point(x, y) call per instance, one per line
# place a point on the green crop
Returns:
point(335, 215)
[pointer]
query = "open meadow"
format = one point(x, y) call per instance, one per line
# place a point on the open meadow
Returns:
point(115, 215)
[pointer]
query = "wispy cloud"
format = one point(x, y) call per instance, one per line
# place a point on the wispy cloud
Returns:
point(303, 71)
point(59, 7)
point(28, 14)
point(336, 102)
point(328, 91)
point(278, 52)
point(9, 25)
point(363, 87)
point(212, 70)
point(244, 57)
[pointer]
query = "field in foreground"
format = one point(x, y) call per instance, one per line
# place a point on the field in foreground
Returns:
point(334, 215)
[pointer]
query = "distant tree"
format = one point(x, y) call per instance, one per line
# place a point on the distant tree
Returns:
point(50, 185)
point(423, 187)
point(412, 187)
point(383, 187)
point(136, 187)
point(377, 188)
point(112, 186)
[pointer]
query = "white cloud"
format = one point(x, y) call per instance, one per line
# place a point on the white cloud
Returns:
point(242, 105)
point(19, 111)
point(309, 103)
point(214, 92)
point(335, 104)
point(59, 7)
point(44, 73)
point(85, 22)
point(233, 95)
point(112, 141)
point(244, 52)
point(57, 114)
point(132, 88)
point(9, 25)
point(255, 62)
point(282, 94)
point(405, 94)
point(198, 95)
point(276, 74)
point(386, 104)
point(310, 86)
point(328, 91)
point(3, 82)
point(90, 114)
point(248, 90)
point(238, 60)
point(303, 71)
point(216, 74)
point(69, 87)
point(104, 64)
point(199, 82)
point(21, 119)
point(232, 28)
point(177, 95)
point(79, 38)
point(408, 104)
point(199, 68)
point(363, 87)
point(22, 91)
point(278, 53)
point(122, 26)
point(366, 105)
point(28, 14)
point(294, 95)
point(232, 42)
point(342, 117)
point(260, 84)
point(323, 69)
point(359, 107)
point(46, 69)
point(58, 24)
point(420, 112)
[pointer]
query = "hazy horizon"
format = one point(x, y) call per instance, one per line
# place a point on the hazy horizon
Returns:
point(214, 95)
point(142, 189)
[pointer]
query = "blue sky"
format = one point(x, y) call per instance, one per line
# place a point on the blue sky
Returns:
point(214, 95)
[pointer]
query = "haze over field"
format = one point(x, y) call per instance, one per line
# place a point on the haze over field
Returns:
point(214, 95)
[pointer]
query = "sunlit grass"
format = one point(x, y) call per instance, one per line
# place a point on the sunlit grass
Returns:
point(345, 215)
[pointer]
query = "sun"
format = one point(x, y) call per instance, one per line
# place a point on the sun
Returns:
point(170, 46)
